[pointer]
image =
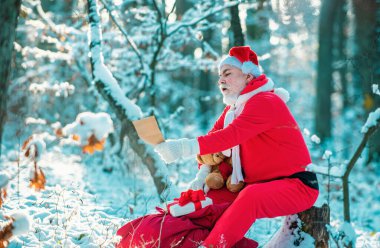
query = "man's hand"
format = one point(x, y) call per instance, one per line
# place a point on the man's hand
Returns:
point(200, 179)
point(171, 150)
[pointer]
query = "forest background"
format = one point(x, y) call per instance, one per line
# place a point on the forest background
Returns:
point(160, 58)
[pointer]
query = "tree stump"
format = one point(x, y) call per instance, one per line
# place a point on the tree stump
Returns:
point(314, 222)
point(303, 229)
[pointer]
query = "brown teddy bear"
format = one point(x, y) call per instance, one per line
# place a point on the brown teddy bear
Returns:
point(221, 170)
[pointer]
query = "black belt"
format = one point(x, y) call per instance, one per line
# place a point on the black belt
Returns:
point(307, 177)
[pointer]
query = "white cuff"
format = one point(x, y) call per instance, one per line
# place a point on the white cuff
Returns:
point(205, 169)
point(190, 147)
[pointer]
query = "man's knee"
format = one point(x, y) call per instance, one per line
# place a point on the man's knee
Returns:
point(248, 192)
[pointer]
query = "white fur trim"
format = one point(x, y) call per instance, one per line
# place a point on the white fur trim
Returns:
point(282, 93)
point(237, 174)
point(230, 60)
point(250, 68)
point(247, 67)
point(266, 87)
point(227, 153)
point(256, 71)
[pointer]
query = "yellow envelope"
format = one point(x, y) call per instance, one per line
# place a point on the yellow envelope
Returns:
point(148, 130)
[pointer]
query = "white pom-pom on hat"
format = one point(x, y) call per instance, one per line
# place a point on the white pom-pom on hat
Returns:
point(282, 93)
point(21, 223)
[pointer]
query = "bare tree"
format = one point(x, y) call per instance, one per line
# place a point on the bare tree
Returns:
point(237, 37)
point(341, 52)
point(366, 61)
point(125, 110)
point(257, 20)
point(325, 69)
point(111, 92)
point(9, 12)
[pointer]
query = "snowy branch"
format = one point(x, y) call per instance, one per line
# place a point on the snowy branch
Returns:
point(122, 30)
point(101, 74)
point(123, 107)
point(346, 197)
point(210, 13)
point(60, 30)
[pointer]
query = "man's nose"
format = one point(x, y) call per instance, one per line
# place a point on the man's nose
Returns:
point(221, 81)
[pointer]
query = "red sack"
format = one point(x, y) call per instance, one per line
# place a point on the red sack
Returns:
point(164, 230)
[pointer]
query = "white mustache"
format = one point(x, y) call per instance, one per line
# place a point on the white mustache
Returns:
point(224, 86)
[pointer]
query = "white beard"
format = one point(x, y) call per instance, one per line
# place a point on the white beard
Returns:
point(230, 99)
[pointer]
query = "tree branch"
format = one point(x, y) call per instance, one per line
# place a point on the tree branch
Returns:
point(194, 22)
point(351, 164)
point(360, 149)
point(122, 106)
point(129, 39)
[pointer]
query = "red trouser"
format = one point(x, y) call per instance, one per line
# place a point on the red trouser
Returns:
point(260, 200)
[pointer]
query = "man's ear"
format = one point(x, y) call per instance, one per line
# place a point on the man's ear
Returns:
point(249, 77)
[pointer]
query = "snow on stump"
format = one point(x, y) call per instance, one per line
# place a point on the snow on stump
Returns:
point(305, 229)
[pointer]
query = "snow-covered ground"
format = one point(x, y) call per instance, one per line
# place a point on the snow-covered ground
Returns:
point(87, 197)
point(84, 202)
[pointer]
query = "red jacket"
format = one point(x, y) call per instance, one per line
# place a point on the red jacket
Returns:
point(271, 143)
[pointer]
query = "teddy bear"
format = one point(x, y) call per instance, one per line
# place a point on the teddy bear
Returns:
point(221, 170)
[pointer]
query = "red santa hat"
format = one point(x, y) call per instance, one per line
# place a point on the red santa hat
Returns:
point(243, 58)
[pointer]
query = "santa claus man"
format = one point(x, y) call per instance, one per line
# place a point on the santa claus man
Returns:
point(268, 151)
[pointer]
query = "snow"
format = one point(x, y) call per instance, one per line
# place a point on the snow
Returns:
point(315, 139)
point(87, 124)
point(342, 233)
point(327, 154)
point(21, 223)
point(40, 53)
point(102, 73)
point(81, 206)
point(290, 237)
point(335, 171)
point(372, 120)
point(65, 89)
point(350, 235)
point(375, 89)
point(306, 132)
point(4, 179)
point(37, 147)
point(31, 120)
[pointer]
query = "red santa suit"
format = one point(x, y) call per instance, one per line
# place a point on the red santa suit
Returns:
point(273, 157)
point(268, 154)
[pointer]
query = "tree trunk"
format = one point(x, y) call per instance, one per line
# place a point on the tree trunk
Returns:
point(341, 56)
point(314, 223)
point(155, 166)
point(366, 62)
point(207, 78)
point(324, 77)
point(257, 20)
point(257, 23)
point(181, 7)
point(59, 7)
point(237, 32)
point(9, 12)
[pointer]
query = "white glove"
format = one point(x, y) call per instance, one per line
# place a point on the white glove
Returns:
point(171, 150)
point(199, 180)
